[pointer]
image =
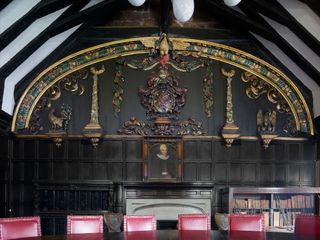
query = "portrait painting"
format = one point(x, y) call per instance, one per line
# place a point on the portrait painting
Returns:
point(162, 159)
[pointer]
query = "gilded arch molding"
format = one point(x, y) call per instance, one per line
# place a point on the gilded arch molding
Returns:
point(135, 46)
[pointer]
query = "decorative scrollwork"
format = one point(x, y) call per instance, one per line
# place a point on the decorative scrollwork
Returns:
point(190, 127)
point(258, 87)
point(135, 127)
point(35, 122)
point(163, 128)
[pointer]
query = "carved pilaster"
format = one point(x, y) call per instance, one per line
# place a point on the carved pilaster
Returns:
point(93, 129)
point(230, 130)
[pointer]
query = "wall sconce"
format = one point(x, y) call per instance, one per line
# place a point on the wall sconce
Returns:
point(266, 124)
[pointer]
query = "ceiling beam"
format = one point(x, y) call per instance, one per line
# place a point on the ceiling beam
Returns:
point(106, 8)
point(314, 5)
point(41, 9)
point(236, 20)
point(275, 11)
point(253, 22)
point(284, 45)
point(4, 3)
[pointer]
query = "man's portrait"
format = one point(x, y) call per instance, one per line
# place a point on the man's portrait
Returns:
point(162, 161)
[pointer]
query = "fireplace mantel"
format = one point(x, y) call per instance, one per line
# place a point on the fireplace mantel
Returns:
point(166, 200)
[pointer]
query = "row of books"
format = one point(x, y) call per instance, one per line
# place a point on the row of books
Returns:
point(296, 201)
point(251, 203)
point(285, 219)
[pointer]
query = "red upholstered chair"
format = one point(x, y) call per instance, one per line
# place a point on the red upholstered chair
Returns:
point(307, 225)
point(20, 227)
point(194, 222)
point(139, 223)
point(246, 222)
point(84, 224)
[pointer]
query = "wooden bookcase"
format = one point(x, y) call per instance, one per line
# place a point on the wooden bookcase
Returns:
point(279, 205)
point(54, 201)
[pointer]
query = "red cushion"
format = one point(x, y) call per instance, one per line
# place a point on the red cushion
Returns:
point(84, 224)
point(139, 223)
point(194, 222)
point(20, 227)
point(307, 225)
point(246, 222)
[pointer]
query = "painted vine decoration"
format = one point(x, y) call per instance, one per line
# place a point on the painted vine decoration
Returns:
point(118, 90)
point(208, 90)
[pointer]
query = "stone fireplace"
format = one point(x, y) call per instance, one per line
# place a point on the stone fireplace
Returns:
point(167, 200)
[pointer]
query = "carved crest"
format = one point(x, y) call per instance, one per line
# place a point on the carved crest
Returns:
point(162, 96)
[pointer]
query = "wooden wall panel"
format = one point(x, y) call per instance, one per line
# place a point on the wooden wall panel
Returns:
point(235, 172)
point(205, 172)
point(190, 172)
point(266, 173)
point(249, 173)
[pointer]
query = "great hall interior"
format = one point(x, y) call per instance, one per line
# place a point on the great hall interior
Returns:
point(159, 107)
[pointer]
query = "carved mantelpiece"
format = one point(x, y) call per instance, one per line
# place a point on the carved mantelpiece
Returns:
point(165, 200)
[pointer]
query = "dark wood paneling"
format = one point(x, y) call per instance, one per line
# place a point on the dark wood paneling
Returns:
point(249, 175)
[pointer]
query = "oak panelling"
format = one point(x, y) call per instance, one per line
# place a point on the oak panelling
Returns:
point(74, 149)
point(45, 149)
point(295, 152)
point(134, 171)
point(281, 153)
point(221, 173)
point(133, 151)
point(235, 172)
point(73, 171)
point(280, 175)
point(249, 173)
point(294, 172)
point(110, 150)
point(29, 149)
point(58, 170)
point(190, 150)
point(44, 172)
point(190, 172)
point(250, 151)
point(204, 172)
point(266, 173)
point(100, 171)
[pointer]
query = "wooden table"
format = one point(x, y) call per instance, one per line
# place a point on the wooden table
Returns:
point(180, 235)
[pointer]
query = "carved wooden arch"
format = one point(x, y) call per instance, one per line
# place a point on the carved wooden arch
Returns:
point(134, 46)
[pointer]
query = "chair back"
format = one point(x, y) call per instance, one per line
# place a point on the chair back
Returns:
point(84, 224)
point(246, 222)
point(20, 227)
point(307, 225)
point(194, 222)
point(139, 223)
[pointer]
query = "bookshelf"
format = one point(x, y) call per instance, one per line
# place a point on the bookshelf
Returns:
point(278, 205)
